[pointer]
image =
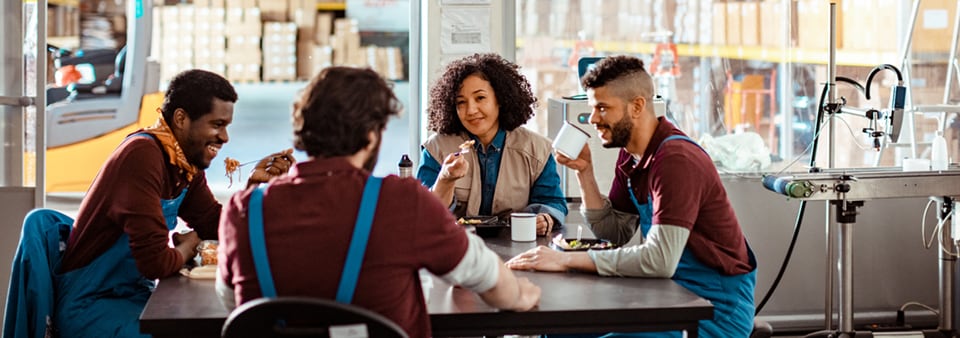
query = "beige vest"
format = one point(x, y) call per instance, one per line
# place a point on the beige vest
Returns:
point(525, 153)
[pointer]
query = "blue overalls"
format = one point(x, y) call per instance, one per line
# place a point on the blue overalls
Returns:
point(732, 296)
point(355, 253)
point(105, 298)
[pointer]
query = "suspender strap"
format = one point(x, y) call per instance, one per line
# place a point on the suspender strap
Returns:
point(258, 246)
point(358, 244)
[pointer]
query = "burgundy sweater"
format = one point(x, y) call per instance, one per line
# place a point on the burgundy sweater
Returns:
point(125, 198)
point(309, 217)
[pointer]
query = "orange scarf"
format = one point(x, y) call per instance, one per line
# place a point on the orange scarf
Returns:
point(162, 132)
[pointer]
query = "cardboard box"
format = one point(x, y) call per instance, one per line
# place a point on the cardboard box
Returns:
point(813, 28)
point(324, 28)
point(274, 10)
point(771, 19)
point(734, 24)
point(685, 21)
point(719, 26)
point(750, 21)
point(933, 31)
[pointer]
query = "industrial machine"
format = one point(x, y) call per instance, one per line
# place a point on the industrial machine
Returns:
point(85, 128)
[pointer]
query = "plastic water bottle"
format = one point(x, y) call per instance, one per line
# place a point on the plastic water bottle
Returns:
point(938, 153)
point(405, 168)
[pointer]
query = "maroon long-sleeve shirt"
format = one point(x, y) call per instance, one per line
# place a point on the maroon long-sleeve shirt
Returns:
point(125, 198)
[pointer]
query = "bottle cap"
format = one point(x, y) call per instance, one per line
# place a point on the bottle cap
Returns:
point(405, 161)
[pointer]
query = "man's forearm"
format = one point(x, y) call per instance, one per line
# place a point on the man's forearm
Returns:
point(506, 292)
point(589, 190)
point(444, 191)
point(580, 261)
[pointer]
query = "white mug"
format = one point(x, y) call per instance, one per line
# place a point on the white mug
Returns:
point(570, 140)
point(523, 227)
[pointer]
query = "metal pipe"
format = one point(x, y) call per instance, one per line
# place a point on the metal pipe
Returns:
point(832, 80)
point(953, 56)
point(831, 98)
point(40, 191)
point(11, 83)
point(846, 276)
point(905, 51)
point(948, 265)
point(905, 57)
point(831, 262)
point(16, 101)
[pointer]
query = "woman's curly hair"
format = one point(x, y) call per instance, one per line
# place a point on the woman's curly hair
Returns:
point(512, 91)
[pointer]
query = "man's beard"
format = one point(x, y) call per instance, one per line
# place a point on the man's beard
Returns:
point(197, 153)
point(620, 132)
point(371, 161)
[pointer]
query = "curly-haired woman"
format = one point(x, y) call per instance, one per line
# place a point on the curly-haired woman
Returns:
point(484, 98)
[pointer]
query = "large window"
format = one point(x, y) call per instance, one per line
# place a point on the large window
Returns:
point(745, 77)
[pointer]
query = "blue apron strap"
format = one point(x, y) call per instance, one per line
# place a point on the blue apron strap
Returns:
point(682, 137)
point(358, 243)
point(258, 246)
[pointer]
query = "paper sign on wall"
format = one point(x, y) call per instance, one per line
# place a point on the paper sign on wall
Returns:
point(465, 30)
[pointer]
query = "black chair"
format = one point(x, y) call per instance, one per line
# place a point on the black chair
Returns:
point(305, 317)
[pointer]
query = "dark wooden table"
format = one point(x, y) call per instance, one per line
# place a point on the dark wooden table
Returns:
point(571, 303)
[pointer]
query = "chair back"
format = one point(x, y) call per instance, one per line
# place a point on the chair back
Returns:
point(31, 294)
point(306, 317)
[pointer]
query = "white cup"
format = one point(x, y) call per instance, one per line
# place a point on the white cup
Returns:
point(570, 140)
point(523, 227)
point(916, 164)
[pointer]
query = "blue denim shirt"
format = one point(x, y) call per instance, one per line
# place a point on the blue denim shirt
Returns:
point(545, 194)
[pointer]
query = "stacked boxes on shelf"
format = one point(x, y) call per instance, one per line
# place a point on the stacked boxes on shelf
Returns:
point(279, 51)
point(346, 42)
point(686, 16)
point(176, 27)
point(270, 40)
point(63, 21)
point(310, 25)
point(244, 31)
point(210, 43)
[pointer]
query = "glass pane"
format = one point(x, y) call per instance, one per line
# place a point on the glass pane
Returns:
point(12, 118)
point(745, 78)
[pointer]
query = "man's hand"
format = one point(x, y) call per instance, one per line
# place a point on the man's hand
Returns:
point(529, 295)
point(274, 165)
point(454, 167)
point(540, 258)
point(583, 163)
point(544, 224)
point(186, 244)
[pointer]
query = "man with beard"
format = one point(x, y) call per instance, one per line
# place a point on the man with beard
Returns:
point(667, 207)
point(119, 244)
point(330, 227)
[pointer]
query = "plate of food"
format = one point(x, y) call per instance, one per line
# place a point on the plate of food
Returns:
point(205, 263)
point(584, 244)
point(485, 226)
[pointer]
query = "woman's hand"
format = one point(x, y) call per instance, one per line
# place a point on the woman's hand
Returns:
point(454, 167)
point(544, 224)
point(274, 165)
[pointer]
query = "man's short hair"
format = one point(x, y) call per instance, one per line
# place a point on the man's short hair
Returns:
point(193, 91)
point(626, 72)
point(339, 108)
